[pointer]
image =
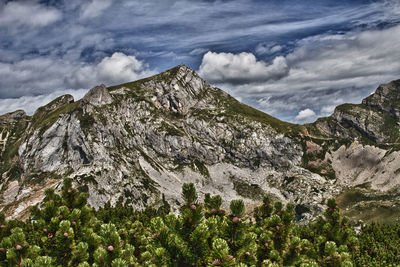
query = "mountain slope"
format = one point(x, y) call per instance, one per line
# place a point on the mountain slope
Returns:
point(375, 120)
point(134, 142)
point(360, 146)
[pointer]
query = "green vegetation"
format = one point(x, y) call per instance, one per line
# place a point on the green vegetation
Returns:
point(194, 164)
point(235, 108)
point(45, 117)
point(379, 245)
point(15, 132)
point(65, 231)
point(86, 120)
point(245, 190)
point(201, 167)
point(171, 129)
point(362, 203)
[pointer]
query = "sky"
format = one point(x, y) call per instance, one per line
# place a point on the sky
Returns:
point(295, 60)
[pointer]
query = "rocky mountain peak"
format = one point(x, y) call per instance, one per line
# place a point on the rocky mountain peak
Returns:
point(386, 98)
point(179, 89)
point(97, 96)
point(374, 120)
point(136, 142)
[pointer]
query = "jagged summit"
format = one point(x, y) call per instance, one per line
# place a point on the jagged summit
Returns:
point(178, 89)
point(134, 142)
point(131, 142)
point(386, 99)
point(96, 97)
point(374, 120)
point(182, 68)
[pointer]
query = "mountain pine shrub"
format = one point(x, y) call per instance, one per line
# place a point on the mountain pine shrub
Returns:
point(64, 231)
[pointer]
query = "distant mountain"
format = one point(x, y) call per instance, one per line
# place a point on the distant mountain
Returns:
point(135, 142)
point(362, 141)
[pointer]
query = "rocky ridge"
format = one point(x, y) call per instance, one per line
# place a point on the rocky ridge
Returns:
point(375, 120)
point(135, 142)
point(360, 145)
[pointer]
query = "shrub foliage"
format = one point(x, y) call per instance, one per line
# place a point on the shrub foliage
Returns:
point(65, 231)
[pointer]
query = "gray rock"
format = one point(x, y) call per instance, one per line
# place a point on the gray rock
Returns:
point(97, 96)
point(144, 139)
point(386, 99)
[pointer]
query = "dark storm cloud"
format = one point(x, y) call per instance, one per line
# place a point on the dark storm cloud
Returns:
point(256, 50)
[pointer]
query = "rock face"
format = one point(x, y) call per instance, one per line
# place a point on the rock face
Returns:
point(96, 97)
point(135, 142)
point(386, 99)
point(364, 164)
point(360, 151)
point(376, 119)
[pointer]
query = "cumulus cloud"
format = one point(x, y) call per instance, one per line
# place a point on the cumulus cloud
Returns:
point(28, 14)
point(118, 68)
point(95, 8)
point(322, 71)
point(241, 68)
point(35, 82)
point(42, 76)
point(306, 115)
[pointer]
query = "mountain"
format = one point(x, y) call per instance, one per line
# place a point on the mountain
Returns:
point(360, 145)
point(376, 119)
point(138, 142)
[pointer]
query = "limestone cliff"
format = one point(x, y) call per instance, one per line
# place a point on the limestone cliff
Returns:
point(133, 143)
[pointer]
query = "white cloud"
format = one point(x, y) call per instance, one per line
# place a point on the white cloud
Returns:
point(323, 71)
point(95, 8)
point(327, 110)
point(118, 68)
point(306, 115)
point(197, 51)
point(43, 75)
point(28, 14)
point(38, 81)
point(265, 49)
point(30, 103)
point(32, 76)
point(241, 68)
point(351, 60)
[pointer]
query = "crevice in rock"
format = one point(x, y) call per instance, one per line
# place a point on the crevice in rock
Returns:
point(82, 154)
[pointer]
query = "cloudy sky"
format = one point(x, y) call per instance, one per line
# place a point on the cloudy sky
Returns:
point(293, 59)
